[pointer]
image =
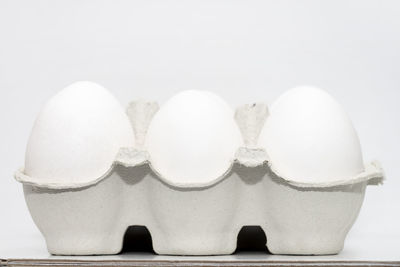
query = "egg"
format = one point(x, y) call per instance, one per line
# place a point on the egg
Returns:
point(77, 135)
point(309, 138)
point(193, 138)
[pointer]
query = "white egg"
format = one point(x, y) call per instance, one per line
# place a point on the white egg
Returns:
point(77, 135)
point(193, 138)
point(309, 138)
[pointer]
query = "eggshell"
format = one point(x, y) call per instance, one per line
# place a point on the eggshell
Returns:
point(77, 135)
point(192, 139)
point(309, 138)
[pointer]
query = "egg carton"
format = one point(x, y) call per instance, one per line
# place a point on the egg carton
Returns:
point(91, 217)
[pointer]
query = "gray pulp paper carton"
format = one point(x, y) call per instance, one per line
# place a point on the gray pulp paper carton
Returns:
point(200, 219)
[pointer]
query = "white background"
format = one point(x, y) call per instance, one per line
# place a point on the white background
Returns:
point(245, 51)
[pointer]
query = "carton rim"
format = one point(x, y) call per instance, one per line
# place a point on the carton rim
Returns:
point(248, 157)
